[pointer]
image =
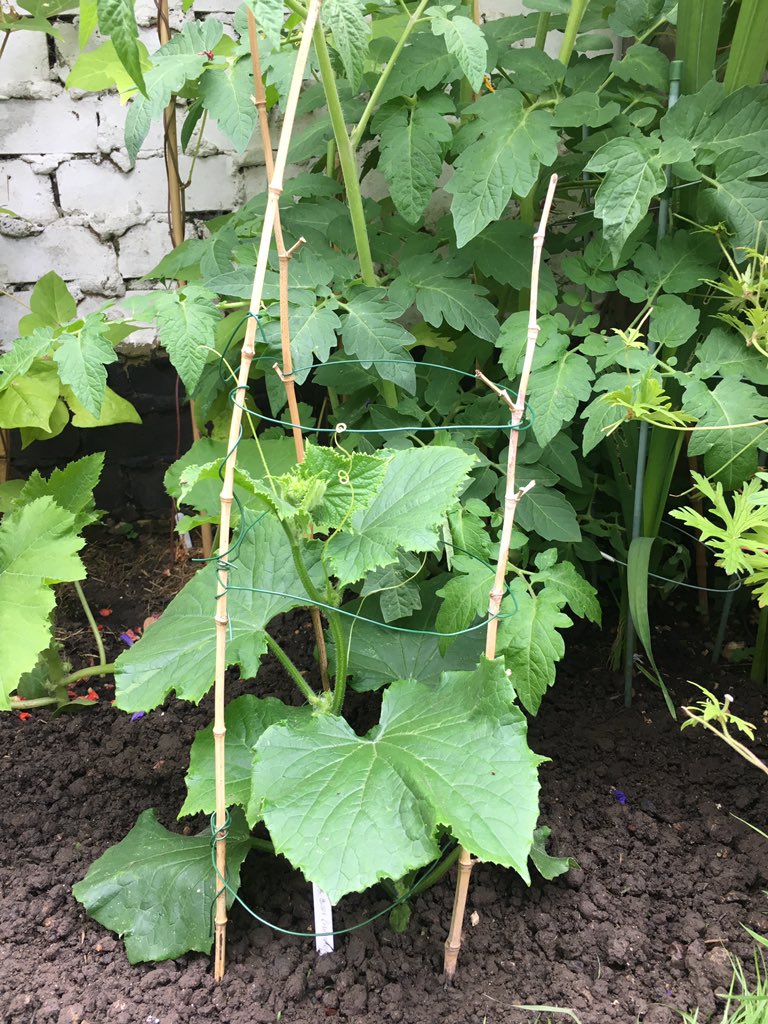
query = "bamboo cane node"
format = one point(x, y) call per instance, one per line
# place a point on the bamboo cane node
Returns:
point(222, 620)
point(286, 378)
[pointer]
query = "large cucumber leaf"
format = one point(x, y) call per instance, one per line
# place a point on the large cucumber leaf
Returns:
point(350, 810)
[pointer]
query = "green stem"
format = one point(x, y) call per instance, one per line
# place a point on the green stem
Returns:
point(19, 704)
point(437, 872)
point(91, 622)
point(348, 164)
point(542, 28)
point(262, 844)
point(291, 669)
point(575, 17)
point(87, 673)
point(749, 48)
point(370, 106)
point(334, 623)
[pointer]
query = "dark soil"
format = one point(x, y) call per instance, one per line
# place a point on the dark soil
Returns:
point(664, 882)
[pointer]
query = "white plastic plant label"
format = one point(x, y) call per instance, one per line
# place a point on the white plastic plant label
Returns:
point(323, 921)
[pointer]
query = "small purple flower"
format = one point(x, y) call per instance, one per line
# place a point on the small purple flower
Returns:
point(137, 715)
point(620, 795)
point(127, 640)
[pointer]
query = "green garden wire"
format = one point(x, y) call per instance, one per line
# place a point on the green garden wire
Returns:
point(220, 834)
point(225, 562)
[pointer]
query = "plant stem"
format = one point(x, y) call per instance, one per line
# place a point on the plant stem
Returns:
point(19, 704)
point(542, 28)
point(91, 622)
point(749, 47)
point(351, 180)
point(575, 16)
point(438, 871)
point(291, 669)
point(88, 673)
point(370, 106)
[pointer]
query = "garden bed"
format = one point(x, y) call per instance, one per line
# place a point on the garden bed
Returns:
point(665, 879)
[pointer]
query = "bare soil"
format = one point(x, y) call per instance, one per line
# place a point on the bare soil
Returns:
point(663, 885)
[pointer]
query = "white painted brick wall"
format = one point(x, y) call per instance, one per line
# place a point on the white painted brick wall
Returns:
point(83, 211)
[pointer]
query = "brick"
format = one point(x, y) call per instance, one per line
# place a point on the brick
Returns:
point(25, 59)
point(28, 194)
point(70, 249)
point(61, 126)
point(110, 132)
point(215, 185)
point(101, 191)
point(142, 247)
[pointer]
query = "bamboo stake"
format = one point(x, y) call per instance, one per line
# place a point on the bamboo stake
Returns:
point(284, 257)
point(176, 212)
point(246, 358)
point(511, 500)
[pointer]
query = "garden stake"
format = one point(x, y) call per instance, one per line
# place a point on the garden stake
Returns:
point(511, 499)
point(176, 213)
point(227, 491)
point(284, 257)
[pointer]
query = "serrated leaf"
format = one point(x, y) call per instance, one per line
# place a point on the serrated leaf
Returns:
point(634, 17)
point(51, 302)
point(71, 488)
point(118, 21)
point(672, 322)
point(351, 33)
point(549, 867)
point(443, 293)
point(88, 22)
point(726, 353)
point(645, 65)
point(25, 350)
point(412, 143)
point(741, 204)
point(269, 19)
point(100, 69)
point(516, 142)
point(349, 483)
point(155, 889)
point(82, 359)
point(678, 263)
point(186, 324)
point(730, 454)
point(464, 40)
point(579, 595)
point(420, 486)
point(719, 125)
point(370, 333)
point(548, 513)
point(350, 810)
point(167, 78)
point(226, 93)
point(246, 718)
point(313, 333)
point(114, 409)
point(584, 109)
point(555, 394)
point(531, 644)
point(465, 595)
point(632, 176)
point(425, 64)
point(178, 651)
point(38, 547)
point(29, 399)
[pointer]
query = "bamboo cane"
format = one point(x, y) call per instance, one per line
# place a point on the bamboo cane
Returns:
point(176, 213)
point(511, 500)
point(284, 256)
point(246, 358)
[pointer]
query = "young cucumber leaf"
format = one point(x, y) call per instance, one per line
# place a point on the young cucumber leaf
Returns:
point(156, 888)
point(246, 718)
point(71, 488)
point(38, 547)
point(178, 652)
point(350, 810)
point(420, 486)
